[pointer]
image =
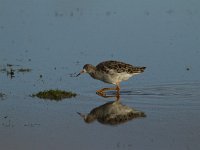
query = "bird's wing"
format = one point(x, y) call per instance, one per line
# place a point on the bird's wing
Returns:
point(119, 67)
point(112, 66)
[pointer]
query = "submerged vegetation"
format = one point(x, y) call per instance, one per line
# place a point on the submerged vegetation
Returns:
point(11, 70)
point(24, 70)
point(54, 94)
point(2, 96)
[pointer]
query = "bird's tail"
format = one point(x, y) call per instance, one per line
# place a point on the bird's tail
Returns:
point(138, 70)
point(142, 69)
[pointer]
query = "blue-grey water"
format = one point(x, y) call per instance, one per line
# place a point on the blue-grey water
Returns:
point(55, 38)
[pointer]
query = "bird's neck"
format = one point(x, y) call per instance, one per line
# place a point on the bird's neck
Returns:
point(93, 74)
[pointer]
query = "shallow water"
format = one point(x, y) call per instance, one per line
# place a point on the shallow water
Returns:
point(56, 38)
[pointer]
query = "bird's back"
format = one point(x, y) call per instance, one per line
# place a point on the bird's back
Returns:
point(119, 67)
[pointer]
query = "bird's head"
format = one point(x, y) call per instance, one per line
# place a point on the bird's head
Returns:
point(87, 68)
point(87, 118)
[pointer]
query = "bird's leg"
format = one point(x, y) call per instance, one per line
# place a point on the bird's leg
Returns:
point(117, 88)
point(117, 97)
point(101, 91)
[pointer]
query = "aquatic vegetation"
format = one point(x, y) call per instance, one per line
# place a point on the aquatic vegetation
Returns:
point(24, 70)
point(54, 94)
point(2, 69)
point(11, 70)
point(2, 96)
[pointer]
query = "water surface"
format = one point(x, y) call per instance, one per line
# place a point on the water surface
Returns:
point(56, 38)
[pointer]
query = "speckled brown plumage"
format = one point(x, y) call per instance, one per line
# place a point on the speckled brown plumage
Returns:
point(118, 67)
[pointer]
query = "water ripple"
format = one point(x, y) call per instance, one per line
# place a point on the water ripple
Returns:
point(183, 90)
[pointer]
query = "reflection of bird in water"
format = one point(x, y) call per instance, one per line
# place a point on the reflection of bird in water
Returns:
point(112, 113)
point(112, 72)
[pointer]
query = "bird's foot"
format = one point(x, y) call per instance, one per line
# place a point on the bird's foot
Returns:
point(101, 93)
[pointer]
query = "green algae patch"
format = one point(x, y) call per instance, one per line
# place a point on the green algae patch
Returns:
point(54, 94)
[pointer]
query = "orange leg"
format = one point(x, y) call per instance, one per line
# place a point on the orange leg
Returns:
point(101, 91)
point(117, 88)
point(117, 96)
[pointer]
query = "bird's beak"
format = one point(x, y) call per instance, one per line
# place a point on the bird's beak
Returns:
point(80, 114)
point(82, 71)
